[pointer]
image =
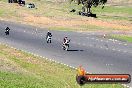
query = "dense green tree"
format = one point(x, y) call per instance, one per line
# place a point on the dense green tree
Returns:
point(87, 4)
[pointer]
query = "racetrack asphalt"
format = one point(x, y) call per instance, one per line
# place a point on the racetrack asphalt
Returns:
point(95, 54)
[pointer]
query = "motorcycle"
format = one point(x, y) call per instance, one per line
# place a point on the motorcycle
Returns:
point(66, 46)
point(7, 32)
point(49, 39)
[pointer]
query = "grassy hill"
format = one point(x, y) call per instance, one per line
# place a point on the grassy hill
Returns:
point(21, 70)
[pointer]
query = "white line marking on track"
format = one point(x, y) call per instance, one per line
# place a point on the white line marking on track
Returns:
point(64, 64)
point(55, 61)
point(126, 86)
point(125, 44)
point(61, 63)
point(70, 66)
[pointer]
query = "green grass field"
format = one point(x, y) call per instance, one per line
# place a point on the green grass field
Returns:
point(21, 70)
point(114, 13)
point(58, 10)
point(125, 38)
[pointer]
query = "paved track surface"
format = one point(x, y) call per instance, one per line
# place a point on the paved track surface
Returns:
point(95, 54)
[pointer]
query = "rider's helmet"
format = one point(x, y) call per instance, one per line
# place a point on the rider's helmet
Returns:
point(66, 37)
point(48, 33)
point(7, 28)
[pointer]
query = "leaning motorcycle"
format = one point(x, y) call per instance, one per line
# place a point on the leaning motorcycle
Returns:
point(66, 46)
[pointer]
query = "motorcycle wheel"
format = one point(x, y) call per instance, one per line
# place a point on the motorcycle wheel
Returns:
point(50, 41)
point(7, 33)
point(66, 48)
point(63, 47)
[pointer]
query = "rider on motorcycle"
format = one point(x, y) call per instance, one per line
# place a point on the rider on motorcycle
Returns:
point(7, 29)
point(48, 35)
point(65, 45)
point(65, 40)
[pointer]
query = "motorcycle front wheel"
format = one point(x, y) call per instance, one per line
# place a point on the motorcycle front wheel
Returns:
point(66, 48)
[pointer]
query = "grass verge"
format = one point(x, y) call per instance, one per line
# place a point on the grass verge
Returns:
point(21, 70)
point(125, 38)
